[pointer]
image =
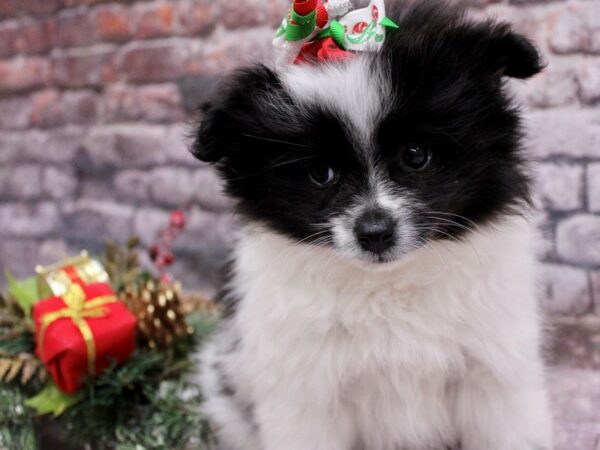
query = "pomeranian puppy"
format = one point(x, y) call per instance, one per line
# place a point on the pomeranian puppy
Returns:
point(381, 291)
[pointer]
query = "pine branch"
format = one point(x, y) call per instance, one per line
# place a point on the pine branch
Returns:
point(16, 421)
point(22, 368)
point(12, 319)
point(122, 263)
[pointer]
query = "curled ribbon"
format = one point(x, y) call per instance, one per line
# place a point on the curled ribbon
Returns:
point(312, 26)
point(78, 309)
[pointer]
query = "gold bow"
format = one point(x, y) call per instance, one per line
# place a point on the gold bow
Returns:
point(78, 309)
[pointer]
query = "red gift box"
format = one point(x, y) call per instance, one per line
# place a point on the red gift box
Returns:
point(81, 332)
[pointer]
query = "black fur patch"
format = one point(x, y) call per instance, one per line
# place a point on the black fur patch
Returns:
point(447, 75)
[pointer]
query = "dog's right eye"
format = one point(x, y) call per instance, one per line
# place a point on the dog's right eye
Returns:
point(322, 175)
point(416, 157)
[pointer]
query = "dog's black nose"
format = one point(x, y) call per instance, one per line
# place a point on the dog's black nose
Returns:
point(375, 231)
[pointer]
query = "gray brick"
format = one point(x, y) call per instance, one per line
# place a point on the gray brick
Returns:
point(131, 145)
point(198, 17)
point(589, 80)
point(208, 190)
point(147, 222)
point(560, 186)
point(19, 257)
point(565, 290)
point(59, 182)
point(16, 112)
point(172, 186)
point(95, 186)
point(196, 90)
point(555, 86)
point(545, 245)
point(28, 220)
point(205, 230)
point(249, 13)
point(83, 67)
point(227, 50)
point(575, 395)
point(593, 185)
point(154, 103)
point(97, 220)
point(23, 74)
point(199, 271)
point(21, 182)
point(595, 283)
point(58, 146)
point(52, 109)
point(573, 435)
point(177, 146)
point(578, 239)
point(532, 22)
point(575, 29)
point(575, 342)
point(74, 28)
point(569, 389)
point(155, 61)
point(570, 132)
point(133, 184)
point(9, 148)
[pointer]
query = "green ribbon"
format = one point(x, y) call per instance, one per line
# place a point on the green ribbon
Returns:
point(388, 23)
point(338, 33)
point(300, 27)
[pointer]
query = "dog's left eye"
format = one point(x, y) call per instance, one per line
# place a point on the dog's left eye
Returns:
point(322, 175)
point(416, 157)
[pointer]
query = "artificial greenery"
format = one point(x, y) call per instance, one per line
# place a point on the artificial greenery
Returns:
point(122, 262)
point(147, 403)
point(16, 420)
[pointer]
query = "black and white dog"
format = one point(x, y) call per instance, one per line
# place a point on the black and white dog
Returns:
point(381, 292)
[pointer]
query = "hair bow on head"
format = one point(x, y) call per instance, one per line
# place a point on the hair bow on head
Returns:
point(322, 30)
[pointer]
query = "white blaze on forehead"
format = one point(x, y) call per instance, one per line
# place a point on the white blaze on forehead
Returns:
point(356, 90)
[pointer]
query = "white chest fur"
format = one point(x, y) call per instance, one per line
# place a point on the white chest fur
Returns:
point(375, 359)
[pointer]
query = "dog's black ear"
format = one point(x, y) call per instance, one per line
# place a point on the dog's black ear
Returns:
point(511, 54)
point(235, 103)
point(206, 143)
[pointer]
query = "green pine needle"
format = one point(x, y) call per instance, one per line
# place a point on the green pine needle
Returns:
point(16, 421)
point(145, 403)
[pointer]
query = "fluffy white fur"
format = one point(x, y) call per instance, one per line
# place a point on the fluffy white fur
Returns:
point(440, 347)
point(328, 351)
point(357, 91)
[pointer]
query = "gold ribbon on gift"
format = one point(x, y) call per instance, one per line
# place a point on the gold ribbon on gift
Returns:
point(78, 310)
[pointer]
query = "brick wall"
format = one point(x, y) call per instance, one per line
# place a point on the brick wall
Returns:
point(95, 96)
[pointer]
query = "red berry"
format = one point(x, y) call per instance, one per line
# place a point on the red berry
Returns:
point(154, 252)
point(168, 258)
point(178, 219)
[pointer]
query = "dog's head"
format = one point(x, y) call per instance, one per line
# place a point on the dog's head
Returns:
point(377, 156)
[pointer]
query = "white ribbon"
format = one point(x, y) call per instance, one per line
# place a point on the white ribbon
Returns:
point(363, 29)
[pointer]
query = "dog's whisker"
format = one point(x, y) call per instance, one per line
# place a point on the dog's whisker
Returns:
point(477, 255)
point(276, 141)
point(466, 219)
point(452, 223)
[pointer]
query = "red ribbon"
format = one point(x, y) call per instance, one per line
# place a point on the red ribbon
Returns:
point(304, 7)
point(323, 50)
